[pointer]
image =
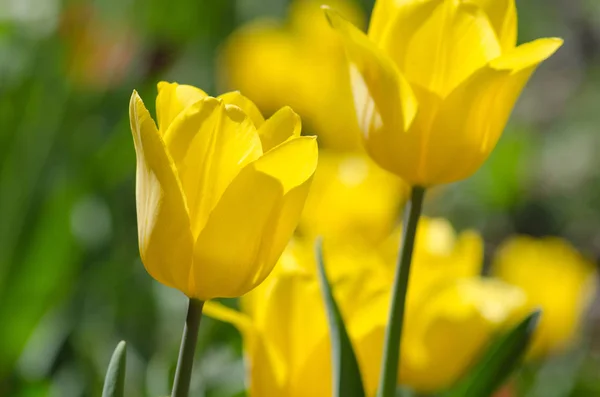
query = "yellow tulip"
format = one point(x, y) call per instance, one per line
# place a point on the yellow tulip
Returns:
point(300, 63)
point(219, 190)
point(452, 328)
point(450, 319)
point(557, 279)
point(351, 198)
point(434, 82)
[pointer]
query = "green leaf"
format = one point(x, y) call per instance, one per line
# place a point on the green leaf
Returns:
point(498, 362)
point(114, 383)
point(347, 381)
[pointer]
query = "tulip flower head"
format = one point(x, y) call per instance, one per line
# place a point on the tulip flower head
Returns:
point(219, 189)
point(557, 279)
point(434, 82)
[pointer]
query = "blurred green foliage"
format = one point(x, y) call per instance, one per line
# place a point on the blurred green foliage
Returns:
point(71, 282)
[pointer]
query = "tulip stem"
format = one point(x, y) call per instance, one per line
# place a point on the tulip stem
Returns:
point(185, 363)
point(391, 353)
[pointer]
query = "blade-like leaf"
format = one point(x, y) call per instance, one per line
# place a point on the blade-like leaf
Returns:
point(114, 383)
point(347, 381)
point(498, 362)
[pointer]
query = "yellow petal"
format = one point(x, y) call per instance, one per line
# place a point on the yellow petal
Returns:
point(165, 238)
point(299, 159)
point(397, 20)
point(380, 18)
point(237, 99)
point(266, 376)
point(210, 143)
point(290, 314)
point(472, 118)
point(223, 313)
point(503, 17)
point(251, 224)
point(368, 340)
point(314, 376)
point(293, 164)
point(172, 99)
point(439, 44)
point(284, 124)
point(469, 313)
point(386, 14)
point(384, 102)
point(527, 55)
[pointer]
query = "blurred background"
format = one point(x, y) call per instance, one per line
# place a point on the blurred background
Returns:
point(71, 282)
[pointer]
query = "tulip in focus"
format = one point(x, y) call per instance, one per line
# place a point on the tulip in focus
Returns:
point(434, 82)
point(557, 279)
point(219, 189)
point(300, 63)
point(451, 317)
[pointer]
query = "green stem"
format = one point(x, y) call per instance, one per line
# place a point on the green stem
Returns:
point(183, 373)
point(391, 353)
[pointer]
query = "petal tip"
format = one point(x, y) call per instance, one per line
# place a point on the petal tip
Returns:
point(163, 84)
point(528, 54)
point(331, 15)
point(135, 100)
point(553, 44)
point(288, 110)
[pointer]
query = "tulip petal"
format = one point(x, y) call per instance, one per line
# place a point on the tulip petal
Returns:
point(469, 312)
point(267, 370)
point(380, 18)
point(394, 21)
point(527, 56)
point(503, 17)
point(227, 249)
point(387, 13)
point(210, 143)
point(172, 99)
point(287, 297)
point(438, 44)
point(384, 101)
point(284, 124)
point(253, 221)
point(237, 99)
point(472, 118)
point(223, 313)
point(165, 238)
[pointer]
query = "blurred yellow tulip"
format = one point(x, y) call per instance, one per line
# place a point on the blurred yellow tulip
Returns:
point(451, 317)
point(300, 63)
point(351, 198)
point(557, 279)
point(219, 189)
point(434, 82)
point(451, 328)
